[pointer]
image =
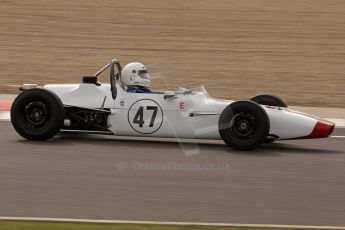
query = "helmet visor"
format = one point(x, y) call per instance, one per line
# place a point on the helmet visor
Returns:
point(144, 74)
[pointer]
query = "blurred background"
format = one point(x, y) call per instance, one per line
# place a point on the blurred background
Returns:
point(236, 48)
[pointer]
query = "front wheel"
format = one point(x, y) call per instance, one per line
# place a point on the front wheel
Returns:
point(37, 114)
point(269, 100)
point(244, 125)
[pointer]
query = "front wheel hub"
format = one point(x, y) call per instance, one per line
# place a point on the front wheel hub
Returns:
point(243, 125)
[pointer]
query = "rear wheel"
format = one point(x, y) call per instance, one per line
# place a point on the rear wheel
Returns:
point(37, 114)
point(269, 100)
point(244, 125)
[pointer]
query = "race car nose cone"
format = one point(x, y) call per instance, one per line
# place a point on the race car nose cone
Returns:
point(323, 128)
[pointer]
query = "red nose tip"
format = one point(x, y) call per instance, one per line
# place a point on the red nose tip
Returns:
point(322, 129)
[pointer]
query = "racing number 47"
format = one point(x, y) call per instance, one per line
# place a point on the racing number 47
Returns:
point(139, 117)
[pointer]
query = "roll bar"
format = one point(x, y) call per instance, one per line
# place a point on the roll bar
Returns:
point(112, 63)
point(114, 75)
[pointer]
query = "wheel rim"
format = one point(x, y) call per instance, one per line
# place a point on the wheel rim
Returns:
point(243, 125)
point(36, 114)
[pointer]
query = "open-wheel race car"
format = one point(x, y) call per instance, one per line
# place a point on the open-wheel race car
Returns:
point(40, 112)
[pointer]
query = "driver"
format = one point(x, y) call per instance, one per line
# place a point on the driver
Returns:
point(136, 79)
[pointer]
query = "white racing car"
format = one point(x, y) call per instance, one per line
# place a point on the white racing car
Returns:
point(40, 112)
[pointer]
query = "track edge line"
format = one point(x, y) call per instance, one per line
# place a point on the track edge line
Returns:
point(101, 221)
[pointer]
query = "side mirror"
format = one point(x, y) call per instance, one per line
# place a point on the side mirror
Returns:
point(169, 94)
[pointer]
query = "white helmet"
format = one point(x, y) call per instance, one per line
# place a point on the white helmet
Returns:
point(135, 74)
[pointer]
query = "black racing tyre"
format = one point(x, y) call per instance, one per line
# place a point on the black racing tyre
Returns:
point(37, 114)
point(269, 100)
point(244, 125)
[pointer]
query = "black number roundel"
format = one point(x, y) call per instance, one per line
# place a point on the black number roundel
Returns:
point(145, 116)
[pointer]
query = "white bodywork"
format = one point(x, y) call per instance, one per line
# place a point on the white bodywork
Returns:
point(191, 115)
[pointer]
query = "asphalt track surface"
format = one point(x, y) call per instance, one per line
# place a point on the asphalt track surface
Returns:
point(102, 177)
